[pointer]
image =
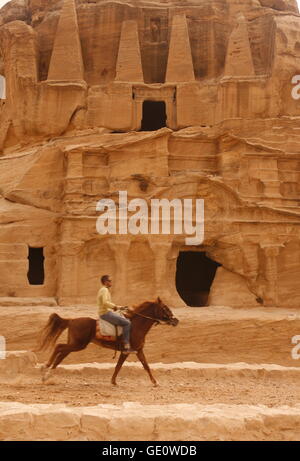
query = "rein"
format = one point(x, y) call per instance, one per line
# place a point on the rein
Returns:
point(157, 321)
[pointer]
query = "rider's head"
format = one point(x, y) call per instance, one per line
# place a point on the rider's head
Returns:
point(106, 281)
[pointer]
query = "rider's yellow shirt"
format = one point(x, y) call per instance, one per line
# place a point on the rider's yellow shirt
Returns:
point(104, 301)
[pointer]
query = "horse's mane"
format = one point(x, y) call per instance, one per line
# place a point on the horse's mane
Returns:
point(140, 308)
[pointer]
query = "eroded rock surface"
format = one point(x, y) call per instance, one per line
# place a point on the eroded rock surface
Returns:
point(78, 75)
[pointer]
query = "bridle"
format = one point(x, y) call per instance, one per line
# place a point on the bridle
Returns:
point(157, 321)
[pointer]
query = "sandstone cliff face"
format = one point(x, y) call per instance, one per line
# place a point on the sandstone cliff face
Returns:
point(74, 128)
point(215, 51)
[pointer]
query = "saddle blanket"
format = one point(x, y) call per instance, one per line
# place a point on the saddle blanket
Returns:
point(107, 331)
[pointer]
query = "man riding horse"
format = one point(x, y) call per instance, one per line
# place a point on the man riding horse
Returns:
point(107, 311)
point(83, 331)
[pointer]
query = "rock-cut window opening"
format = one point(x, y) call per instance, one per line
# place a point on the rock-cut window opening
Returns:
point(36, 272)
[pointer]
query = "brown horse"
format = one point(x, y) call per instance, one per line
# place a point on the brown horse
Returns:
point(82, 331)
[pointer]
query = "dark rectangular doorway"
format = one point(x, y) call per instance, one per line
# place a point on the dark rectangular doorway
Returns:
point(36, 272)
point(154, 115)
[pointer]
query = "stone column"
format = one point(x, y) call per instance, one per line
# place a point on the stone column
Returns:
point(73, 189)
point(161, 249)
point(120, 247)
point(75, 164)
point(271, 295)
point(69, 272)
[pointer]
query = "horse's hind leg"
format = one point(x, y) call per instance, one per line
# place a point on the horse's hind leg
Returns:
point(64, 351)
point(60, 353)
point(45, 369)
point(56, 351)
point(143, 360)
point(119, 365)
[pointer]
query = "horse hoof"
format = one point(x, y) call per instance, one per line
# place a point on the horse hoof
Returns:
point(155, 385)
point(43, 370)
point(46, 375)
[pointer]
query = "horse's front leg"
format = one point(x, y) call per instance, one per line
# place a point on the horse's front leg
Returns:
point(143, 360)
point(119, 365)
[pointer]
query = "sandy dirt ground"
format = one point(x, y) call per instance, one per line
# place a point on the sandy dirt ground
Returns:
point(175, 386)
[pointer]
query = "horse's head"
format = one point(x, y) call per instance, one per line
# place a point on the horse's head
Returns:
point(164, 314)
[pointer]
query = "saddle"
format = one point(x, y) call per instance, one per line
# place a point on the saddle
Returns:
point(105, 331)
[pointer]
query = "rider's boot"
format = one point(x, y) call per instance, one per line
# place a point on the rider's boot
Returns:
point(128, 350)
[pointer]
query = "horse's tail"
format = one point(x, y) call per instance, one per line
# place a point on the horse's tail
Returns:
point(51, 332)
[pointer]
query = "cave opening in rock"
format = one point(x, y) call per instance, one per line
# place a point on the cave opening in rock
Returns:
point(194, 277)
point(154, 115)
point(36, 272)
